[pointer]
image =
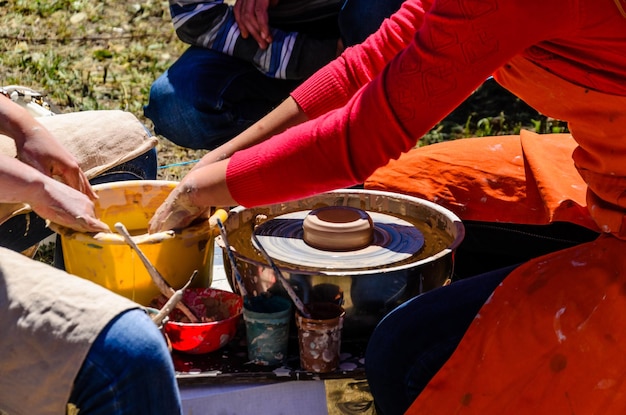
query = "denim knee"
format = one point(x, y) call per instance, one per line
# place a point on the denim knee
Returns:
point(128, 370)
point(184, 117)
point(205, 98)
point(142, 167)
point(158, 109)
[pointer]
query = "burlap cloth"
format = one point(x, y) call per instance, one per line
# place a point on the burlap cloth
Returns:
point(49, 321)
point(100, 140)
point(50, 318)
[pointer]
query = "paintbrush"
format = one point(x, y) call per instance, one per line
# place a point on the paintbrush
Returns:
point(233, 264)
point(294, 297)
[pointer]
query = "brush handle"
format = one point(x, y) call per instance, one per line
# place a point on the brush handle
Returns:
point(294, 297)
point(231, 258)
point(172, 302)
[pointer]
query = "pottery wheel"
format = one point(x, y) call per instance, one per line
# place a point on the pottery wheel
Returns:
point(394, 240)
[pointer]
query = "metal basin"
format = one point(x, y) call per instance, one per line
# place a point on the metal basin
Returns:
point(367, 293)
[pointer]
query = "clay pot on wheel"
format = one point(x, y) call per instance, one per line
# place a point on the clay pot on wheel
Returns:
point(411, 251)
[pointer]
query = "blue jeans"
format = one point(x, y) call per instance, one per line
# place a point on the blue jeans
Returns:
point(414, 341)
point(128, 371)
point(23, 231)
point(205, 98)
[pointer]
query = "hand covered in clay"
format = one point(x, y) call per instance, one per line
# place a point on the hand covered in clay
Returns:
point(42, 151)
point(66, 206)
point(201, 189)
point(177, 212)
point(49, 198)
point(30, 178)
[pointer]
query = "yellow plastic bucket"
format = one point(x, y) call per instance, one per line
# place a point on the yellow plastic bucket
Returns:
point(106, 259)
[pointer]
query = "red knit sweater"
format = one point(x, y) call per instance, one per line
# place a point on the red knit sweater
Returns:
point(378, 98)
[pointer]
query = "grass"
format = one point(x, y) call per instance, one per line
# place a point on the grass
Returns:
point(87, 55)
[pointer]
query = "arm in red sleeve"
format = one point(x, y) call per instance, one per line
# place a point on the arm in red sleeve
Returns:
point(332, 86)
point(457, 46)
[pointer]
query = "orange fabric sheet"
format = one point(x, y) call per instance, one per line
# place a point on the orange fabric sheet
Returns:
point(528, 179)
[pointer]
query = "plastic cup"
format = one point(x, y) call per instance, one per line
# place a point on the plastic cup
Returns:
point(319, 337)
point(267, 329)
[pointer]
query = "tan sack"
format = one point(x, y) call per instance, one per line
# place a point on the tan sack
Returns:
point(100, 140)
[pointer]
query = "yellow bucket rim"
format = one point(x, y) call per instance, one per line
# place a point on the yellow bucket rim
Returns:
point(113, 238)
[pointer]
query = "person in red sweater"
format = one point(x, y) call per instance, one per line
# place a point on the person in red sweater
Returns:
point(540, 336)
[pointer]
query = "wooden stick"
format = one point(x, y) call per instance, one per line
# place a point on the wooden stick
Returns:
point(233, 262)
point(294, 297)
point(172, 302)
point(158, 279)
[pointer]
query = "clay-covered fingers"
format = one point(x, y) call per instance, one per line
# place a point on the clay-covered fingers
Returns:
point(67, 207)
point(75, 178)
point(43, 152)
point(176, 212)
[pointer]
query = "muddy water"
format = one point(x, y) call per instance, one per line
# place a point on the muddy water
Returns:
point(267, 329)
point(435, 240)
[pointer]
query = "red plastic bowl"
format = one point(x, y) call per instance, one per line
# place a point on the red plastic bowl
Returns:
point(198, 338)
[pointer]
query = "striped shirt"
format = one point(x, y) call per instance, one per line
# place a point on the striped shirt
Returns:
point(291, 55)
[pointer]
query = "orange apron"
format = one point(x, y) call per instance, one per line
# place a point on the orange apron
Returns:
point(551, 339)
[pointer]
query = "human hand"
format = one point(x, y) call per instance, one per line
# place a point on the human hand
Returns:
point(177, 211)
point(42, 151)
point(200, 190)
point(252, 18)
point(65, 206)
